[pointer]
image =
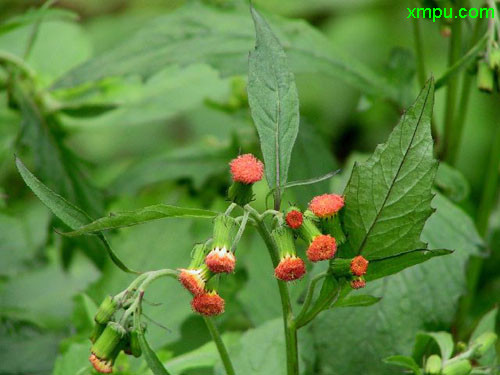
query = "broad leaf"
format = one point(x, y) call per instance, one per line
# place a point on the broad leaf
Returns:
point(142, 215)
point(200, 33)
point(69, 214)
point(152, 360)
point(388, 197)
point(273, 101)
point(412, 302)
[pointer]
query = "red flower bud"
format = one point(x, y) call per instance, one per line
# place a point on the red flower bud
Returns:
point(326, 205)
point(247, 169)
point(359, 265)
point(102, 366)
point(220, 260)
point(294, 219)
point(290, 268)
point(208, 304)
point(358, 283)
point(193, 280)
point(323, 247)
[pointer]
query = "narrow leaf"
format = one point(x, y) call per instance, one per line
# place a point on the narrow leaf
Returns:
point(388, 197)
point(405, 362)
point(143, 215)
point(71, 215)
point(273, 101)
point(357, 300)
point(152, 360)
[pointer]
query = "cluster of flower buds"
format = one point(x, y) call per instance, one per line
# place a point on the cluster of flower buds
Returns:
point(320, 227)
point(109, 338)
point(208, 261)
point(246, 170)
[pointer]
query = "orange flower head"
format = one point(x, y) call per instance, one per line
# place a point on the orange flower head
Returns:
point(326, 205)
point(323, 247)
point(246, 169)
point(359, 265)
point(294, 219)
point(208, 304)
point(220, 260)
point(290, 268)
point(192, 280)
point(102, 366)
point(358, 283)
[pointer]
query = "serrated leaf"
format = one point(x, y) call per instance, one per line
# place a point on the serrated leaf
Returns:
point(70, 215)
point(387, 200)
point(357, 300)
point(140, 216)
point(152, 360)
point(405, 362)
point(273, 101)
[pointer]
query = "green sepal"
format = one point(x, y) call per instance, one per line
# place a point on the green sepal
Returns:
point(135, 347)
point(485, 77)
point(308, 230)
point(225, 229)
point(340, 267)
point(433, 365)
point(96, 332)
point(461, 367)
point(239, 193)
point(105, 346)
point(333, 227)
point(106, 310)
point(198, 256)
point(283, 236)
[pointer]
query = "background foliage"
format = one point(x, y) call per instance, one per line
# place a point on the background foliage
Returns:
point(134, 103)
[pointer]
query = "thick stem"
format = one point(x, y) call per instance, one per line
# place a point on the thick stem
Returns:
point(224, 355)
point(451, 92)
point(292, 358)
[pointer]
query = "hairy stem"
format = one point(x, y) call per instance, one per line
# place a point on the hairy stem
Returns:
point(292, 358)
point(221, 348)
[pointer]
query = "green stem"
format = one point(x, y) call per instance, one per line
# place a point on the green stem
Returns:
point(310, 294)
point(224, 355)
point(292, 358)
point(419, 50)
point(451, 92)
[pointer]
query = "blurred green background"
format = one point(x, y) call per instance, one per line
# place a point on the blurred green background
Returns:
point(165, 133)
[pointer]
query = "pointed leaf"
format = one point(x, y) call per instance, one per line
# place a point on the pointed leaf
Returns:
point(71, 215)
point(140, 216)
point(152, 360)
point(388, 197)
point(274, 102)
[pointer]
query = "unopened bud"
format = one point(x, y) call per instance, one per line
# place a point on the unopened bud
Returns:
point(106, 310)
point(485, 77)
point(107, 347)
point(484, 342)
point(358, 282)
point(294, 218)
point(221, 259)
point(433, 365)
point(461, 367)
point(135, 347)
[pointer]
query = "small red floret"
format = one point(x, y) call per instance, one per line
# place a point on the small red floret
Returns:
point(208, 304)
point(294, 219)
point(323, 247)
point(359, 265)
point(247, 169)
point(358, 283)
point(290, 268)
point(326, 205)
point(193, 281)
point(220, 261)
point(102, 366)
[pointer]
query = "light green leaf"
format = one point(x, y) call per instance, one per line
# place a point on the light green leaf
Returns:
point(357, 300)
point(389, 327)
point(387, 200)
point(140, 216)
point(153, 362)
point(452, 183)
point(273, 101)
point(74, 361)
point(70, 215)
point(200, 33)
point(487, 324)
point(444, 340)
point(405, 362)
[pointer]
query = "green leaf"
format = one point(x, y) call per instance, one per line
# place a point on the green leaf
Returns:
point(274, 102)
point(452, 183)
point(70, 215)
point(405, 362)
point(152, 360)
point(389, 327)
point(73, 361)
point(486, 324)
point(444, 341)
point(387, 200)
point(357, 300)
point(197, 33)
point(140, 216)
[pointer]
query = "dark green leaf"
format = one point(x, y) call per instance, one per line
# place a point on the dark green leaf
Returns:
point(152, 360)
point(273, 101)
point(388, 197)
point(70, 215)
point(357, 300)
point(405, 362)
point(142, 215)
